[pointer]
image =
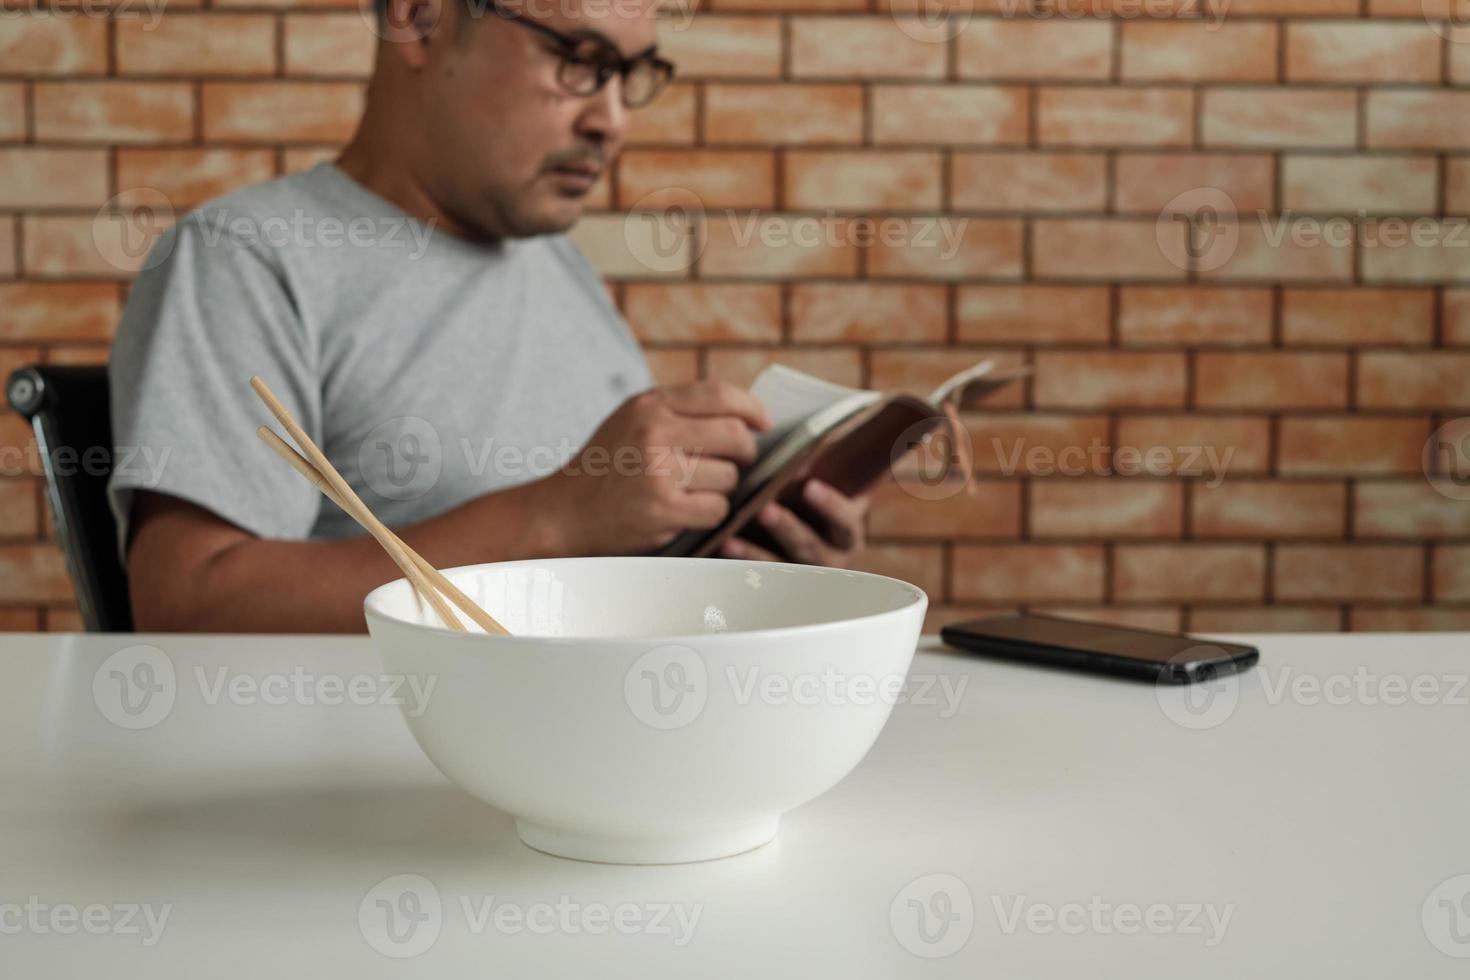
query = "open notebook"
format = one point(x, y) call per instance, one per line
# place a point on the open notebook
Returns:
point(847, 437)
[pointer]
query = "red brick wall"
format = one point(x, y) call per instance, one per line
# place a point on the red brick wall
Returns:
point(1061, 142)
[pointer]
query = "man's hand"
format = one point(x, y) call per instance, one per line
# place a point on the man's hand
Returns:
point(662, 463)
point(844, 518)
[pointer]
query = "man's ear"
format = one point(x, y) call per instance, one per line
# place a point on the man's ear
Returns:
point(410, 25)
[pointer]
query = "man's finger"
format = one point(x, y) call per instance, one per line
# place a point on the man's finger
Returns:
point(718, 398)
point(737, 547)
point(844, 514)
point(722, 437)
point(705, 473)
point(796, 538)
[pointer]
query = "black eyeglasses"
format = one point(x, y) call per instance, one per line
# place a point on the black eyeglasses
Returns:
point(587, 63)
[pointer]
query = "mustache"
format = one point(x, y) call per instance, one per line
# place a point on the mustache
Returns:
point(573, 157)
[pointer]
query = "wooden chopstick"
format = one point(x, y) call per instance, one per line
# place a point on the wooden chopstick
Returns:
point(436, 578)
point(355, 507)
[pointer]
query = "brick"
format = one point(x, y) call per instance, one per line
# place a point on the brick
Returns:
point(1160, 50)
point(707, 312)
point(1152, 181)
point(17, 620)
point(1115, 117)
point(672, 367)
point(1424, 251)
point(1457, 185)
point(1279, 117)
point(281, 111)
point(199, 44)
point(1271, 380)
point(285, 4)
point(1022, 181)
point(1265, 619)
point(79, 354)
point(296, 159)
point(920, 370)
point(864, 312)
point(1342, 317)
point(1458, 66)
point(696, 179)
point(1378, 572)
point(1268, 509)
point(624, 247)
point(77, 246)
point(920, 565)
point(1208, 447)
point(12, 111)
point(66, 619)
point(1032, 314)
point(1418, 119)
point(33, 572)
point(8, 247)
point(114, 112)
point(999, 573)
point(1362, 52)
point(779, 246)
point(1351, 446)
point(1410, 509)
point(1295, 8)
point(1457, 316)
point(944, 247)
point(1117, 379)
point(1116, 508)
point(44, 177)
point(1346, 185)
point(38, 43)
point(862, 180)
point(950, 115)
point(1189, 572)
point(19, 513)
point(993, 510)
point(1034, 444)
point(1002, 48)
point(329, 44)
point(52, 312)
point(1395, 379)
point(740, 366)
point(1107, 248)
point(190, 176)
point(867, 47)
point(1451, 570)
point(723, 5)
point(1280, 251)
point(1408, 619)
point(734, 46)
point(1194, 316)
point(668, 119)
point(786, 114)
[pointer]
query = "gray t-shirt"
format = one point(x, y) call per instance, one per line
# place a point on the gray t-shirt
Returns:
point(428, 368)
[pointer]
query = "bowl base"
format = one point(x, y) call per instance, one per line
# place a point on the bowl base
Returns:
point(707, 844)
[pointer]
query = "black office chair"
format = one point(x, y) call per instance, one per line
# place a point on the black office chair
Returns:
point(69, 411)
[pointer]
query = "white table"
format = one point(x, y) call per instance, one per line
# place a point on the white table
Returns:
point(1054, 825)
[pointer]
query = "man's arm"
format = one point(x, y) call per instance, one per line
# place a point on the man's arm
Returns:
point(190, 570)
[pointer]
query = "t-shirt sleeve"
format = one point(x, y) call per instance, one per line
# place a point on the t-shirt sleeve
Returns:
point(206, 315)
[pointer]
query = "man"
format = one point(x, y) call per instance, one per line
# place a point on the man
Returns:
point(440, 378)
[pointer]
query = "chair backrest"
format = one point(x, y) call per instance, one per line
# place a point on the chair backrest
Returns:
point(70, 414)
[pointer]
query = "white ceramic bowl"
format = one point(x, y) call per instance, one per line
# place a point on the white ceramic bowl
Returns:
point(653, 710)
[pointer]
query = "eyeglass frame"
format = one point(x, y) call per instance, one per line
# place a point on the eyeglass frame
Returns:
point(613, 64)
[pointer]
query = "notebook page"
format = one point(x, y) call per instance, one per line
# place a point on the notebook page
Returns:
point(790, 398)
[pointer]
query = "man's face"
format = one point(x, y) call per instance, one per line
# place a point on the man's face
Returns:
point(506, 149)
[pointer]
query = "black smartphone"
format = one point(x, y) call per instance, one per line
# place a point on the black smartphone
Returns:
point(1099, 647)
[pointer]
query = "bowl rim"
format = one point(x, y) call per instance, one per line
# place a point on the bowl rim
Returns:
point(917, 598)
